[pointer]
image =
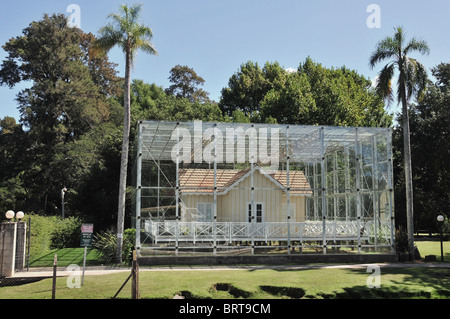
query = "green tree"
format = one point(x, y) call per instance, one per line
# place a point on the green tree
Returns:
point(64, 103)
point(314, 95)
point(185, 84)
point(246, 90)
point(291, 104)
point(130, 35)
point(150, 102)
point(430, 142)
point(343, 97)
point(411, 82)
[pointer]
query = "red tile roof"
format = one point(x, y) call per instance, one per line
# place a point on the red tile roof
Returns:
point(201, 181)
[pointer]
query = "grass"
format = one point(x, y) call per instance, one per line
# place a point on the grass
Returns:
point(398, 283)
point(434, 248)
point(66, 257)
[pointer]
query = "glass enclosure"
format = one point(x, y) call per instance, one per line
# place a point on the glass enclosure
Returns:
point(230, 188)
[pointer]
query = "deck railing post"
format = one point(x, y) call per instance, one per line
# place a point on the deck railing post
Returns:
point(138, 190)
point(215, 132)
point(323, 184)
point(288, 193)
point(177, 189)
point(358, 162)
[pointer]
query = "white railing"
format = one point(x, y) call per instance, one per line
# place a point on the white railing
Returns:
point(168, 231)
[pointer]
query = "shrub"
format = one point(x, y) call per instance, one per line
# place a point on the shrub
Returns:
point(401, 241)
point(66, 233)
point(52, 232)
point(41, 233)
point(106, 244)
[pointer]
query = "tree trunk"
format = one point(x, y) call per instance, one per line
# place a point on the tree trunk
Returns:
point(408, 177)
point(124, 159)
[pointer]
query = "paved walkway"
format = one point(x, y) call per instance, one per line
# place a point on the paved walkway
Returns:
point(100, 270)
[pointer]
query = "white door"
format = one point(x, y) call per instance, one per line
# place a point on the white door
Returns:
point(259, 212)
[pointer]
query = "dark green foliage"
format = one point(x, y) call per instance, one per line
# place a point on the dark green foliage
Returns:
point(106, 243)
point(66, 233)
point(185, 84)
point(52, 232)
point(430, 144)
point(314, 95)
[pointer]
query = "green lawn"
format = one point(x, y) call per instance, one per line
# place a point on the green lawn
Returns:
point(434, 248)
point(262, 283)
point(66, 257)
point(69, 256)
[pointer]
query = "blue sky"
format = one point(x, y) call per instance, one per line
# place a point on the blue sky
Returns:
point(215, 37)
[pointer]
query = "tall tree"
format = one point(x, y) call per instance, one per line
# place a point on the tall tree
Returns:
point(314, 95)
point(245, 91)
point(185, 84)
point(411, 82)
point(126, 32)
point(63, 103)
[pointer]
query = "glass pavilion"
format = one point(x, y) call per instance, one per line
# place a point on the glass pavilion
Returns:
point(231, 188)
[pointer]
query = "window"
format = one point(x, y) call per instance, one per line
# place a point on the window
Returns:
point(205, 211)
point(259, 212)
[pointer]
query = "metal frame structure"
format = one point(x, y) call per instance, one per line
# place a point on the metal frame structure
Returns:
point(349, 208)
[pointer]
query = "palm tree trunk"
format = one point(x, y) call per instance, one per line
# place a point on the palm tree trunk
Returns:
point(124, 159)
point(408, 177)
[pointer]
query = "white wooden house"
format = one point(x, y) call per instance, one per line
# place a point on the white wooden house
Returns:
point(235, 198)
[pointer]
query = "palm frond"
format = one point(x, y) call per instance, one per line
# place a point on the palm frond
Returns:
point(126, 32)
point(109, 38)
point(399, 36)
point(420, 46)
point(384, 83)
point(385, 49)
point(416, 77)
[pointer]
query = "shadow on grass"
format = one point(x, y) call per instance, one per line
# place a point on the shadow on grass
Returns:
point(414, 279)
point(66, 257)
point(362, 292)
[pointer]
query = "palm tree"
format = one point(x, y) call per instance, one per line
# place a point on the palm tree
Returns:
point(126, 32)
point(411, 82)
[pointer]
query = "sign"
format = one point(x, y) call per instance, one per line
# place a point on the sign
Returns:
point(87, 232)
point(86, 240)
point(87, 228)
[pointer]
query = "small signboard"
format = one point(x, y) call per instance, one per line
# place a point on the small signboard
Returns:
point(86, 240)
point(87, 228)
point(87, 232)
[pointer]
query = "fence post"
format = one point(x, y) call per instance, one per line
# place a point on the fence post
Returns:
point(55, 263)
point(135, 281)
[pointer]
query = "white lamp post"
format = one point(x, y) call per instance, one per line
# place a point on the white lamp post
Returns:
point(20, 215)
point(10, 215)
point(63, 192)
point(440, 219)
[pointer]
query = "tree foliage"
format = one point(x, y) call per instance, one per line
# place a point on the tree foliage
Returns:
point(411, 83)
point(185, 82)
point(313, 95)
point(69, 97)
point(430, 145)
point(126, 32)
